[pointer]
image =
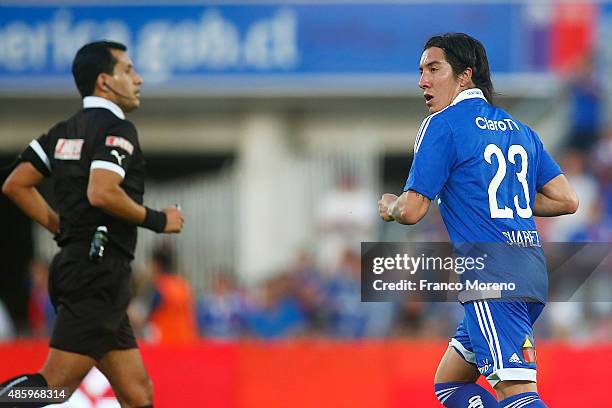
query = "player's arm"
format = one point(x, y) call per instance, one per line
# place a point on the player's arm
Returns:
point(20, 187)
point(409, 208)
point(557, 197)
point(434, 157)
point(554, 194)
point(104, 192)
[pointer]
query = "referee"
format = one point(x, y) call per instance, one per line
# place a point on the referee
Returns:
point(97, 168)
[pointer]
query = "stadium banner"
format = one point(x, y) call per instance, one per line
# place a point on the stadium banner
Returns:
point(306, 373)
point(268, 48)
point(522, 268)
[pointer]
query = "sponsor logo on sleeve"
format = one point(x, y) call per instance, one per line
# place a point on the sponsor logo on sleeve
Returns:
point(68, 149)
point(118, 156)
point(118, 141)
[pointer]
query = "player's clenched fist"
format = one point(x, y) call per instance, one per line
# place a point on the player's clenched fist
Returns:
point(174, 219)
point(385, 202)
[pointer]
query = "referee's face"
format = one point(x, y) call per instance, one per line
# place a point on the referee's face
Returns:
point(438, 82)
point(125, 82)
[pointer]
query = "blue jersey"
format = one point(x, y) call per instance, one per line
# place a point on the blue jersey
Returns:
point(485, 167)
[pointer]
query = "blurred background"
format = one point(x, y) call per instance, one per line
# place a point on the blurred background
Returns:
point(277, 126)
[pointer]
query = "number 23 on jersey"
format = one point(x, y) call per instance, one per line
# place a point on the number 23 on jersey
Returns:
point(514, 150)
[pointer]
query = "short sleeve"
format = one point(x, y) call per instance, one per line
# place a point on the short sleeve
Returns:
point(547, 167)
point(37, 153)
point(434, 157)
point(116, 148)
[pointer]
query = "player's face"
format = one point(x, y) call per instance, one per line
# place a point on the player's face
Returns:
point(439, 84)
point(125, 82)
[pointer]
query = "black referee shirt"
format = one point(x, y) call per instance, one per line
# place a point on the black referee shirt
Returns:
point(97, 137)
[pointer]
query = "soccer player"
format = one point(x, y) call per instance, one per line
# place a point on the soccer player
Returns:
point(491, 175)
point(96, 166)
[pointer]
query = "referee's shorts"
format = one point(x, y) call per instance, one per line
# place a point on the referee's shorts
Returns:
point(91, 301)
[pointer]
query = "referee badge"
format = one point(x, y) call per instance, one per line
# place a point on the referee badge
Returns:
point(68, 149)
point(118, 141)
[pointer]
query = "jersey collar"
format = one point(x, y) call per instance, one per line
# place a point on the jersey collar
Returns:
point(97, 102)
point(469, 94)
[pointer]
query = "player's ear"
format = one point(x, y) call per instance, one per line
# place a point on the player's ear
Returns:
point(465, 78)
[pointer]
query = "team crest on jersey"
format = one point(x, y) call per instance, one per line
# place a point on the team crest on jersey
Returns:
point(529, 351)
point(68, 149)
point(118, 141)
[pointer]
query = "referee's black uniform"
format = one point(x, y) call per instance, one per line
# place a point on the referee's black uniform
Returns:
point(90, 298)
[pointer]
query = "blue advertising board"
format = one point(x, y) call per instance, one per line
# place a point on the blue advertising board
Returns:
point(194, 47)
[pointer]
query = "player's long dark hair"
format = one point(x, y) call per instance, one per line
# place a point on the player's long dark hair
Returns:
point(462, 52)
point(92, 60)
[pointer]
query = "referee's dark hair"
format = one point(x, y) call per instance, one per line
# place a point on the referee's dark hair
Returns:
point(92, 60)
point(462, 52)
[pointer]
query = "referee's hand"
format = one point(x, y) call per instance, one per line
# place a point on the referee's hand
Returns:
point(174, 220)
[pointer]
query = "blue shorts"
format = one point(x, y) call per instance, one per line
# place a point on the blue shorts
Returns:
point(497, 337)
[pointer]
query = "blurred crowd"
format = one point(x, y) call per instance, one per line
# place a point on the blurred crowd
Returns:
point(303, 300)
point(586, 159)
point(311, 299)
